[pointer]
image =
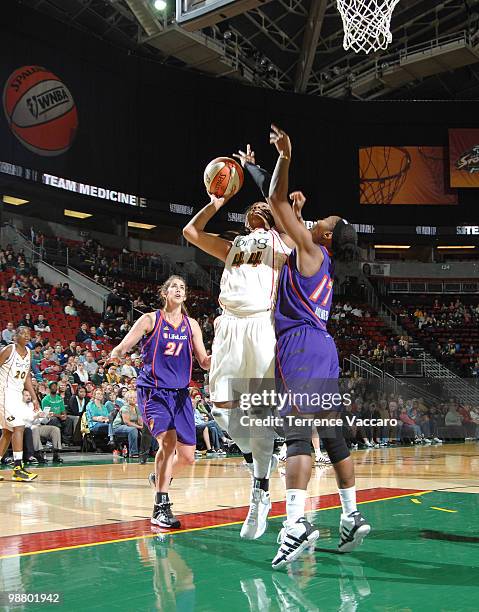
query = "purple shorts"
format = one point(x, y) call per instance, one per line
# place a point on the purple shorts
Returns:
point(166, 409)
point(307, 366)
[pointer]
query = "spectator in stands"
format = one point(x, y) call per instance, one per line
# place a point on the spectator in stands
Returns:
point(27, 321)
point(70, 309)
point(37, 421)
point(128, 421)
point(49, 368)
point(79, 354)
point(208, 433)
point(66, 293)
point(98, 417)
point(474, 414)
point(41, 325)
point(137, 365)
point(8, 333)
point(81, 375)
point(111, 376)
point(39, 298)
point(53, 404)
point(58, 355)
point(101, 331)
point(453, 422)
point(124, 328)
point(410, 423)
point(71, 350)
point(357, 312)
point(91, 365)
point(127, 369)
point(99, 376)
point(83, 334)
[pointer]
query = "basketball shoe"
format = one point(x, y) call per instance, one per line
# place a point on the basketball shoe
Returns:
point(257, 518)
point(21, 474)
point(293, 540)
point(321, 459)
point(352, 531)
point(163, 516)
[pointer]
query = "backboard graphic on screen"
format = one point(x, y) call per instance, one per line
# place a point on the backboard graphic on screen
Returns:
point(404, 175)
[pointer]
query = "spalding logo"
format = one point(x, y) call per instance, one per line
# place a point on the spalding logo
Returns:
point(40, 110)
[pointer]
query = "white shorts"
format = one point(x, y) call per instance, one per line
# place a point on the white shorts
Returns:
point(243, 354)
point(12, 409)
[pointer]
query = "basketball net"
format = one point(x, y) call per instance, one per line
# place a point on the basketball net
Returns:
point(366, 24)
point(383, 175)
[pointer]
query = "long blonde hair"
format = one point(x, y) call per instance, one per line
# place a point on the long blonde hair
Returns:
point(166, 285)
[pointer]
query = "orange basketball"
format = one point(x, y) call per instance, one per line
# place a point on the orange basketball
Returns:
point(40, 110)
point(223, 177)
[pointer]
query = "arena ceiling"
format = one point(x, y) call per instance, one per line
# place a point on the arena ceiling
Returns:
point(296, 45)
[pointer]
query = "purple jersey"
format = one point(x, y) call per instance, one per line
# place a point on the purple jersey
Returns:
point(167, 355)
point(304, 300)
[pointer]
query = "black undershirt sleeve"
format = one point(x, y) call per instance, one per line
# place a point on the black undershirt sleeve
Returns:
point(261, 177)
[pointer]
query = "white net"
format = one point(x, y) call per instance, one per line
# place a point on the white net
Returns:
point(366, 24)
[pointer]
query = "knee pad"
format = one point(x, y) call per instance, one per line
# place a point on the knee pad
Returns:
point(336, 447)
point(297, 437)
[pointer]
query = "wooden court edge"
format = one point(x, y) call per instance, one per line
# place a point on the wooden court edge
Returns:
point(109, 533)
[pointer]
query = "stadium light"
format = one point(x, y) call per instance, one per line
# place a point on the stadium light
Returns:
point(14, 201)
point(456, 247)
point(76, 214)
point(146, 226)
point(392, 246)
point(159, 5)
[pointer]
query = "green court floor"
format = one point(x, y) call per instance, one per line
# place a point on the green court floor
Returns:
point(423, 554)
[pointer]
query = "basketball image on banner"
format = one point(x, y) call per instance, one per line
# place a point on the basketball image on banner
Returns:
point(464, 158)
point(404, 175)
point(40, 110)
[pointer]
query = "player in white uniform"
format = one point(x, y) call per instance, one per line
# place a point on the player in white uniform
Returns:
point(14, 377)
point(244, 345)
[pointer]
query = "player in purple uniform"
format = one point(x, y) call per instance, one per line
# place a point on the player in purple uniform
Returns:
point(307, 362)
point(168, 339)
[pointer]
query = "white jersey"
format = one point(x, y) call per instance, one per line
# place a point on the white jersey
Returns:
point(249, 283)
point(14, 371)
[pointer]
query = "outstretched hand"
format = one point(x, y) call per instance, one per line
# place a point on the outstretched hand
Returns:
point(298, 198)
point(217, 202)
point(281, 141)
point(247, 157)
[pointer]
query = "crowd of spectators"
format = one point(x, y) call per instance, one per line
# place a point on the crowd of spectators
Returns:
point(80, 395)
point(418, 421)
point(447, 329)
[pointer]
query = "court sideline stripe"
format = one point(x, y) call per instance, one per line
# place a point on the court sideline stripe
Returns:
point(201, 528)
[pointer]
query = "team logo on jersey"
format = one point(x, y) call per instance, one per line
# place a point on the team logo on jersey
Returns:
point(166, 328)
point(183, 329)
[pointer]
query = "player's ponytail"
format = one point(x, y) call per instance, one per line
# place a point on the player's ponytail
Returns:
point(345, 242)
point(166, 285)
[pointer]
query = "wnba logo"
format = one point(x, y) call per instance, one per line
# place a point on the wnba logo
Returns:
point(40, 110)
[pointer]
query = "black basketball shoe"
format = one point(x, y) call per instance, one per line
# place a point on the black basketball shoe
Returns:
point(163, 516)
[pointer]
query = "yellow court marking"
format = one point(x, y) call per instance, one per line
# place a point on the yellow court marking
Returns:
point(191, 529)
point(442, 509)
point(416, 501)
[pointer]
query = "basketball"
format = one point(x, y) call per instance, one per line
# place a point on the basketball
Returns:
point(223, 177)
point(40, 110)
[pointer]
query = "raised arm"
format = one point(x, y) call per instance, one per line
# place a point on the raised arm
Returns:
point(309, 254)
point(144, 325)
point(209, 243)
point(198, 346)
